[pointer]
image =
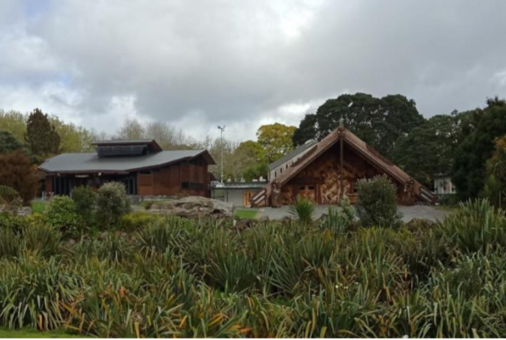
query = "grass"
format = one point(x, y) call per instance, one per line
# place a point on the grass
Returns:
point(32, 333)
point(249, 214)
point(38, 206)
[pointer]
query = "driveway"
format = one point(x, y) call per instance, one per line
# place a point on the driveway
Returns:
point(408, 212)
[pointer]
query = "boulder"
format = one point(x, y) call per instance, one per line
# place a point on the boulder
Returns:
point(194, 206)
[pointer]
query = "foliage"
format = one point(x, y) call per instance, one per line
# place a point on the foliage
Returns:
point(302, 209)
point(15, 123)
point(62, 215)
point(136, 220)
point(251, 160)
point(17, 172)
point(73, 138)
point(41, 136)
point(85, 200)
point(39, 206)
point(429, 149)
point(339, 219)
point(112, 202)
point(177, 277)
point(276, 140)
point(8, 142)
point(496, 169)
point(476, 226)
point(377, 202)
point(377, 121)
point(471, 156)
point(492, 191)
point(7, 194)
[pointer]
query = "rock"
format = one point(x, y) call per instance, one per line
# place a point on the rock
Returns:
point(103, 236)
point(194, 206)
point(264, 219)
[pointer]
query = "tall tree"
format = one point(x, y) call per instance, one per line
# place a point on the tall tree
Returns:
point(430, 148)
point(276, 139)
point(251, 160)
point(496, 169)
point(41, 136)
point(18, 172)
point(469, 169)
point(378, 121)
point(73, 138)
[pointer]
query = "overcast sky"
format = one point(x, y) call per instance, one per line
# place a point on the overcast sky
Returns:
point(201, 63)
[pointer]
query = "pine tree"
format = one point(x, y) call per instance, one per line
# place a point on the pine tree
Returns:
point(41, 137)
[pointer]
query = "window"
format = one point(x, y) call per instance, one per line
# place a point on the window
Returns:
point(275, 174)
point(281, 170)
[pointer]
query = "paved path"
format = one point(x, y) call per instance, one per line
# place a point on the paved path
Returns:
point(408, 212)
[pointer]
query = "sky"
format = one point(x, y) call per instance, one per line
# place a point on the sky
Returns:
point(199, 64)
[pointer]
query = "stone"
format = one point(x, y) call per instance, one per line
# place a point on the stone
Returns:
point(103, 236)
point(194, 207)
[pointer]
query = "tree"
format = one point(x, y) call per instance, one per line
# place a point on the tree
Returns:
point(41, 136)
point(73, 138)
point(496, 171)
point(250, 160)
point(377, 121)
point(429, 149)
point(469, 170)
point(15, 123)
point(131, 129)
point(18, 172)
point(276, 140)
point(8, 142)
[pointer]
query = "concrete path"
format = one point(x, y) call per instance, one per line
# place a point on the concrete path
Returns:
point(408, 212)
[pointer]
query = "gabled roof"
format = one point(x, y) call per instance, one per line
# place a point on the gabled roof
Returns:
point(91, 163)
point(292, 154)
point(368, 153)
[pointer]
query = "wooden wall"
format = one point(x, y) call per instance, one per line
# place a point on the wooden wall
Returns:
point(320, 180)
point(187, 178)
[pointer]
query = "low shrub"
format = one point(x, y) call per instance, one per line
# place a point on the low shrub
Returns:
point(339, 219)
point(85, 200)
point(303, 209)
point(377, 203)
point(62, 215)
point(41, 238)
point(476, 226)
point(137, 220)
point(10, 243)
point(112, 202)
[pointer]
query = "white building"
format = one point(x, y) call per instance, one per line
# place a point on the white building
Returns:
point(443, 185)
point(276, 168)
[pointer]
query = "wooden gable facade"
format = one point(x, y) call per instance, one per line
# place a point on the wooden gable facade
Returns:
point(332, 169)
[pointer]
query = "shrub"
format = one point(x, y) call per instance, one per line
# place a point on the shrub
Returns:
point(475, 226)
point(7, 194)
point(303, 209)
point(41, 238)
point(18, 172)
point(112, 202)
point(339, 220)
point(85, 200)
point(62, 215)
point(10, 243)
point(136, 220)
point(377, 202)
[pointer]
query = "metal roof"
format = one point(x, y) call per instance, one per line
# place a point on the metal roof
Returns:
point(113, 142)
point(90, 162)
point(292, 154)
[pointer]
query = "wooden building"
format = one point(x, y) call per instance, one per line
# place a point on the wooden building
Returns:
point(330, 169)
point(142, 165)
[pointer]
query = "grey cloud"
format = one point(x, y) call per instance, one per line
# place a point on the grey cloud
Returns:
point(238, 62)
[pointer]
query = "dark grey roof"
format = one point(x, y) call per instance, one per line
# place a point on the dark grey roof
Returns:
point(124, 141)
point(90, 162)
point(292, 154)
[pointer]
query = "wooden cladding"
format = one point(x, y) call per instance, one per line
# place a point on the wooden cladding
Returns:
point(188, 178)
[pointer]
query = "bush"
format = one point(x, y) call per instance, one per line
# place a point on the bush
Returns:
point(18, 172)
point(339, 220)
point(303, 209)
point(377, 203)
point(85, 200)
point(475, 226)
point(62, 215)
point(7, 194)
point(136, 220)
point(112, 202)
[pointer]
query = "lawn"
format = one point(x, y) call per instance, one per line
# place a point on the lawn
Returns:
point(246, 214)
point(32, 333)
point(38, 206)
